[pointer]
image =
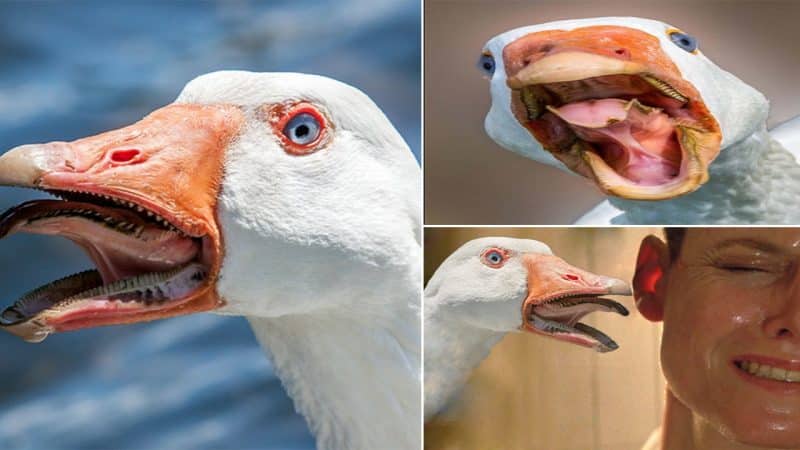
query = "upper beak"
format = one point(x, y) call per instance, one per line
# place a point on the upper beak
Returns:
point(549, 275)
point(170, 161)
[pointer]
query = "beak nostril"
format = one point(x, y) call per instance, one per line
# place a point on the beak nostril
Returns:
point(123, 156)
point(570, 277)
point(621, 51)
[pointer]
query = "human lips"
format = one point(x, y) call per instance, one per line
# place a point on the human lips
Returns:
point(768, 371)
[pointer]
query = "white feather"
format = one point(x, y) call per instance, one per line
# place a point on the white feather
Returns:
point(322, 254)
point(468, 309)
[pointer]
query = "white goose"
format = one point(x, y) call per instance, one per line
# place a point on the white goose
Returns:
point(286, 198)
point(634, 106)
point(495, 285)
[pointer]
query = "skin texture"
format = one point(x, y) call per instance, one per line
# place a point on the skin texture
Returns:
point(731, 293)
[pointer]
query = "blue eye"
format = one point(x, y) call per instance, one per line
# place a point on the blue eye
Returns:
point(683, 41)
point(494, 257)
point(486, 64)
point(302, 129)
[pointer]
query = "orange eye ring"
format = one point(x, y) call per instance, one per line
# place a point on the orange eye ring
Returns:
point(494, 257)
point(300, 127)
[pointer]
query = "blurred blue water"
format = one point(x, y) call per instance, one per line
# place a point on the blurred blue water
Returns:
point(72, 69)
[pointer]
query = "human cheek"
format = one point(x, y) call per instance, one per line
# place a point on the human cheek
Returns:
point(703, 314)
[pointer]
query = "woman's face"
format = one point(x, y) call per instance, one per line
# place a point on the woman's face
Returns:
point(732, 307)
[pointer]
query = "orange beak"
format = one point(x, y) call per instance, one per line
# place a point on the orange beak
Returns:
point(142, 202)
point(610, 104)
point(559, 295)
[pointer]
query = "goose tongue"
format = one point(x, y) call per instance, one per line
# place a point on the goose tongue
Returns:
point(637, 141)
point(120, 243)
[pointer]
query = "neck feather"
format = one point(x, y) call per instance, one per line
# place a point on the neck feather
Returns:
point(355, 379)
point(754, 181)
point(452, 351)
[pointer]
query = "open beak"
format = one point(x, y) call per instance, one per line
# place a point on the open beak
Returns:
point(559, 295)
point(611, 105)
point(141, 201)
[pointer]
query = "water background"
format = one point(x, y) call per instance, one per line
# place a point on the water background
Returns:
point(73, 69)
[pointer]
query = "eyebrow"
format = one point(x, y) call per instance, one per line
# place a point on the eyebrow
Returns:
point(752, 243)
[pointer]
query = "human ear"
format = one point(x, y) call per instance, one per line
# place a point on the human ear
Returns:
point(648, 287)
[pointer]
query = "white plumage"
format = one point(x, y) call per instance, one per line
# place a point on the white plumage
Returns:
point(470, 307)
point(322, 255)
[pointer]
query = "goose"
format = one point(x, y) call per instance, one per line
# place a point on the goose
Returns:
point(286, 198)
point(634, 106)
point(493, 286)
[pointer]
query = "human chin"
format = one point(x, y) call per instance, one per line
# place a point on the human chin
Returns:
point(761, 402)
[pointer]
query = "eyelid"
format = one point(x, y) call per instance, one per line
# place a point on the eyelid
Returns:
point(503, 253)
point(279, 115)
point(671, 31)
point(751, 263)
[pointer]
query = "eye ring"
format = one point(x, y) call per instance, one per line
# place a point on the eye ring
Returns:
point(494, 257)
point(300, 127)
point(486, 64)
point(683, 40)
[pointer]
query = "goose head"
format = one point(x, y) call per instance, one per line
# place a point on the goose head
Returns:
point(631, 104)
point(500, 285)
point(262, 194)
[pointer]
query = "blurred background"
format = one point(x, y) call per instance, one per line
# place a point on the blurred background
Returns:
point(471, 180)
point(537, 393)
point(73, 69)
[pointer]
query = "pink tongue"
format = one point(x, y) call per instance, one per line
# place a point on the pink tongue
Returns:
point(639, 145)
point(118, 255)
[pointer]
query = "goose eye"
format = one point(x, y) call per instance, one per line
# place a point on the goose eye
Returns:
point(683, 41)
point(486, 64)
point(494, 257)
point(301, 127)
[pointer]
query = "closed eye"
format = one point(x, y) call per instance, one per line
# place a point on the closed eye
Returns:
point(737, 268)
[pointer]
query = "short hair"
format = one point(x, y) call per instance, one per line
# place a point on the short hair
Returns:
point(675, 236)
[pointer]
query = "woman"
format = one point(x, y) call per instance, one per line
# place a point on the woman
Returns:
point(730, 302)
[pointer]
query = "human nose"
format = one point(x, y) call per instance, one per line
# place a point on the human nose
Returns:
point(783, 322)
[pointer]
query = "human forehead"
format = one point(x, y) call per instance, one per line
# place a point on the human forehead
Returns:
point(496, 44)
point(780, 240)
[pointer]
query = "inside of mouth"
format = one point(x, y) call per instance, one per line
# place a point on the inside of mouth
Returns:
point(142, 260)
point(560, 318)
point(629, 122)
